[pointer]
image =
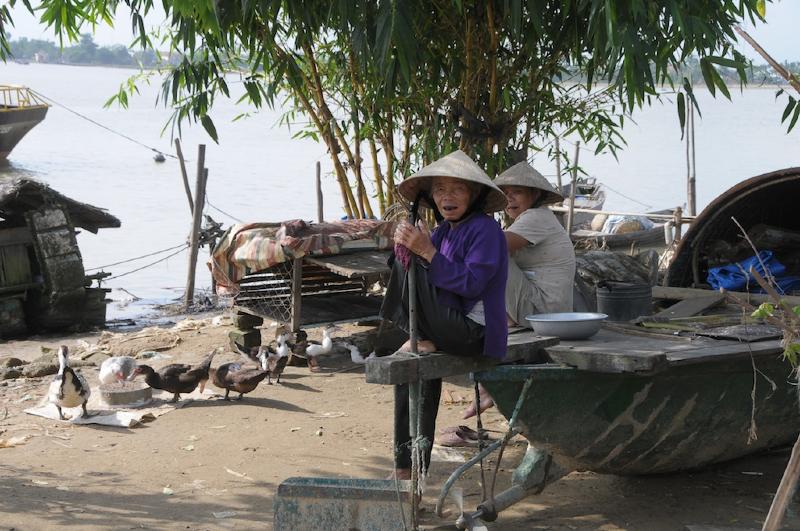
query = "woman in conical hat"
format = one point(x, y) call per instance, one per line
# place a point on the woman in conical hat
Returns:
point(542, 270)
point(461, 273)
point(542, 265)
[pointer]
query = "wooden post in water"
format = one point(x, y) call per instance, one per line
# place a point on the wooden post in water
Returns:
point(320, 216)
point(571, 213)
point(179, 151)
point(558, 165)
point(197, 218)
point(691, 194)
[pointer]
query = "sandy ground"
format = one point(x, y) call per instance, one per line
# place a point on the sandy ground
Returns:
point(217, 465)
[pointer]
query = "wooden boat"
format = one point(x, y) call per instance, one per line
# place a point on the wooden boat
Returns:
point(629, 405)
point(20, 111)
point(589, 194)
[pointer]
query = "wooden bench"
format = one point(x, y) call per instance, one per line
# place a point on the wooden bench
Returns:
point(406, 367)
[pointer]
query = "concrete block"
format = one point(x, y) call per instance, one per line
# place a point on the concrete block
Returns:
point(334, 503)
point(244, 339)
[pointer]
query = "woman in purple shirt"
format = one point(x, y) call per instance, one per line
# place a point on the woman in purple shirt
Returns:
point(461, 270)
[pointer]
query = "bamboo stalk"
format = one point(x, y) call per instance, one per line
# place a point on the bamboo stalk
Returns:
point(197, 218)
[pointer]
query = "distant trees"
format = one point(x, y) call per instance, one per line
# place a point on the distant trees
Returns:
point(85, 52)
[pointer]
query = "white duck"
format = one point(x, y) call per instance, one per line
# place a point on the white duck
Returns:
point(117, 369)
point(355, 354)
point(68, 388)
point(315, 349)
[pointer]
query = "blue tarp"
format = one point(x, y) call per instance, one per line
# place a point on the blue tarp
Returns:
point(737, 277)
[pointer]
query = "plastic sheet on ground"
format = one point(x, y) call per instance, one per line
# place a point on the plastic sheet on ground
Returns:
point(126, 416)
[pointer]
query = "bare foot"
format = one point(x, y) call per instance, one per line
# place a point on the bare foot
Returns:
point(485, 403)
point(423, 345)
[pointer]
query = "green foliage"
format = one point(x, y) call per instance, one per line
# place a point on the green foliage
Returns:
point(418, 78)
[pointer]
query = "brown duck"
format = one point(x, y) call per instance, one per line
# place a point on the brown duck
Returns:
point(237, 377)
point(177, 378)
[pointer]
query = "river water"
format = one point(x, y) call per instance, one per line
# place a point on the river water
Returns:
point(258, 172)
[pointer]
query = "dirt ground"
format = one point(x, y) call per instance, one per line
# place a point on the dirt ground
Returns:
point(216, 465)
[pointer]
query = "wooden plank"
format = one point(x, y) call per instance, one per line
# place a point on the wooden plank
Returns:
point(727, 349)
point(692, 306)
point(614, 360)
point(405, 367)
point(370, 264)
point(667, 292)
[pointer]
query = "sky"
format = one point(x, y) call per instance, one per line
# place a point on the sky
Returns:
point(777, 36)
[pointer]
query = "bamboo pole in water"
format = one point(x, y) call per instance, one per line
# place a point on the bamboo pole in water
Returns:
point(194, 236)
point(179, 151)
point(691, 192)
point(571, 212)
point(558, 165)
point(320, 216)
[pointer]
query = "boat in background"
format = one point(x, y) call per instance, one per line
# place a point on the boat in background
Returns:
point(20, 111)
point(589, 195)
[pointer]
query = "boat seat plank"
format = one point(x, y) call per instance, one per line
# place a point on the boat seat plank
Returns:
point(692, 306)
point(406, 367)
point(368, 264)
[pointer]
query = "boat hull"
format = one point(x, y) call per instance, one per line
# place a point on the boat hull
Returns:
point(684, 417)
point(15, 122)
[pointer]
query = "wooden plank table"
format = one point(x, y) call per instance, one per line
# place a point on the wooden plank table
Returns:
point(406, 367)
point(612, 351)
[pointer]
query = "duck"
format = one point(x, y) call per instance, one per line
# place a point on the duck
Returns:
point(237, 377)
point(297, 347)
point(68, 388)
point(117, 369)
point(277, 359)
point(177, 378)
point(355, 354)
point(316, 349)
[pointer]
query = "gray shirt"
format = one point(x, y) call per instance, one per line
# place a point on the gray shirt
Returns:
point(549, 256)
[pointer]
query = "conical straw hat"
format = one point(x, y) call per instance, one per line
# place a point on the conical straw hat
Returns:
point(523, 174)
point(460, 166)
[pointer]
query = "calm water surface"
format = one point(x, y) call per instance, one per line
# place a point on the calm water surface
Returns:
point(258, 172)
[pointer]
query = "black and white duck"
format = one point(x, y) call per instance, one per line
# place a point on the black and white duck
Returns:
point(68, 388)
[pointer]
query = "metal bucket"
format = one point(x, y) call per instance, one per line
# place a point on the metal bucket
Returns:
point(622, 301)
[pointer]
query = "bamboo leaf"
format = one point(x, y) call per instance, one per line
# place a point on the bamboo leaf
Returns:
point(208, 125)
point(761, 8)
point(682, 111)
point(788, 110)
point(795, 116)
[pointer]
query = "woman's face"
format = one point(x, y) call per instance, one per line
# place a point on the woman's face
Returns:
point(520, 199)
point(452, 196)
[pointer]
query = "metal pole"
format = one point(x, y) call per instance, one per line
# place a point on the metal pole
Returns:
point(414, 388)
point(194, 236)
point(571, 213)
point(320, 217)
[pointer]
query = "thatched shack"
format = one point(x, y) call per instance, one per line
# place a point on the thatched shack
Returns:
point(43, 285)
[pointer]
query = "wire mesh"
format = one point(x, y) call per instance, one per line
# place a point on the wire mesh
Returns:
point(268, 293)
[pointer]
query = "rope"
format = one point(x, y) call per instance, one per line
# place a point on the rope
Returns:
point(186, 246)
point(137, 258)
point(209, 203)
point(98, 124)
point(627, 197)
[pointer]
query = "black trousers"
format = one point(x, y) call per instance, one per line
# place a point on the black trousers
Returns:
point(449, 329)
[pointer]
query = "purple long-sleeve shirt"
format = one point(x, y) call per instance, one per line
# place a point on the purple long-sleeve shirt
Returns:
point(471, 265)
